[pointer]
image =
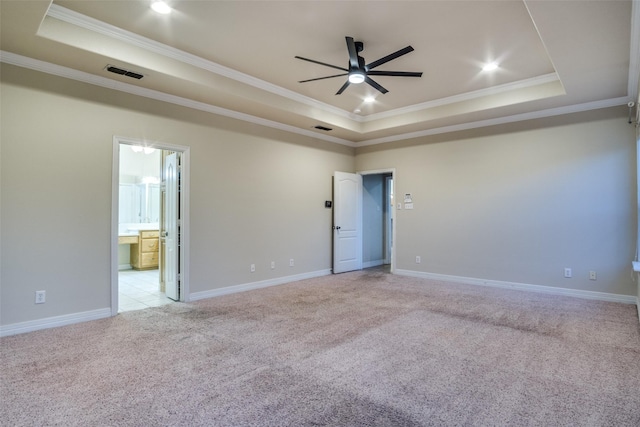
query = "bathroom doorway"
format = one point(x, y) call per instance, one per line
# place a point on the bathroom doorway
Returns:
point(149, 225)
point(139, 228)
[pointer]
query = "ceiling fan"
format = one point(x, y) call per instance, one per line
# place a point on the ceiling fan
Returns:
point(359, 72)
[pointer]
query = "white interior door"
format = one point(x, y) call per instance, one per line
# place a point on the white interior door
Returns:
point(347, 222)
point(171, 229)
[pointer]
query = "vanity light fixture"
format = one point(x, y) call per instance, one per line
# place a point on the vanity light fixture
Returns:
point(150, 180)
point(140, 149)
point(160, 7)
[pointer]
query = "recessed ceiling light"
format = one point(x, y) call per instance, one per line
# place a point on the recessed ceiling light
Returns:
point(490, 66)
point(161, 7)
point(369, 99)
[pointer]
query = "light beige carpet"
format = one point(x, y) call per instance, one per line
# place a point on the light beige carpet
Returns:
point(362, 348)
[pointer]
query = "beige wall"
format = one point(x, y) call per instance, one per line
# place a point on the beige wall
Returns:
point(519, 203)
point(257, 194)
point(514, 203)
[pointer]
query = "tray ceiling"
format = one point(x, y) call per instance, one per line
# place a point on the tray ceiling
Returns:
point(237, 58)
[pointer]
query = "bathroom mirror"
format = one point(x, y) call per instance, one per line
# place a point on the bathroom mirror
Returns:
point(139, 199)
point(139, 203)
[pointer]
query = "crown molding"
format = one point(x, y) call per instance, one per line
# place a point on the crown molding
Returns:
point(91, 24)
point(576, 108)
point(81, 76)
point(467, 96)
point(97, 26)
point(57, 70)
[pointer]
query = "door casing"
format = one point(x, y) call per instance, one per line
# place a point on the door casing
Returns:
point(184, 209)
point(391, 171)
point(392, 212)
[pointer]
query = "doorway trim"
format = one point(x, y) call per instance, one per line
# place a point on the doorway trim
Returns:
point(184, 210)
point(391, 171)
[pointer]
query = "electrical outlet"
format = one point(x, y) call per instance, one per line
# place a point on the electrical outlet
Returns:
point(593, 275)
point(273, 265)
point(41, 297)
point(418, 259)
point(253, 268)
point(568, 273)
point(291, 262)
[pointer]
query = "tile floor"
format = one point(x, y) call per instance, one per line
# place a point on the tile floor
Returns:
point(139, 290)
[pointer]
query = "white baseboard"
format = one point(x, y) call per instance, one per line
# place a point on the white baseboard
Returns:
point(256, 285)
point(375, 263)
point(602, 296)
point(636, 268)
point(53, 322)
point(124, 267)
point(69, 319)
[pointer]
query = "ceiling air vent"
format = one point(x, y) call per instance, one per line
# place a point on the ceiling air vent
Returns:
point(123, 72)
point(326, 129)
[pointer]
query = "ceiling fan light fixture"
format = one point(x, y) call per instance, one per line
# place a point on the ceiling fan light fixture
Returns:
point(359, 71)
point(356, 77)
point(161, 7)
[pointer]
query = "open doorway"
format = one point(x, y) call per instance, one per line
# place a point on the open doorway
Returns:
point(139, 212)
point(378, 220)
point(149, 225)
point(363, 221)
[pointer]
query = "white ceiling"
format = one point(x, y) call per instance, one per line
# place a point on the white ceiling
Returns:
point(237, 58)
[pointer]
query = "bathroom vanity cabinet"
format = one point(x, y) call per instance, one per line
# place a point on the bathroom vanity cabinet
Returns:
point(144, 253)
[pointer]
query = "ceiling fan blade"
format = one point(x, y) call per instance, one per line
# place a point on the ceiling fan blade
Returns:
point(395, 73)
point(322, 63)
point(353, 53)
point(344, 86)
point(375, 85)
point(388, 58)
point(322, 78)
